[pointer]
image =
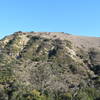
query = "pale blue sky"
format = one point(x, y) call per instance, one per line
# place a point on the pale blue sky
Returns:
point(79, 17)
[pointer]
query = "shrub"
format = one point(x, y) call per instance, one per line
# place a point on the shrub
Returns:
point(67, 96)
point(88, 94)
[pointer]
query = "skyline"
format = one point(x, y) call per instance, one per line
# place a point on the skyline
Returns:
point(70, 16)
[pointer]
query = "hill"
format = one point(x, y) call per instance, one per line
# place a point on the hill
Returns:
point(49, 66)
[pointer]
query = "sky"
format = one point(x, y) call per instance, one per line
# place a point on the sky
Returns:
point(77, 17)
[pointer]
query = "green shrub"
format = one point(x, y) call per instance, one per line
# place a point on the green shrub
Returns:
point(88, 94)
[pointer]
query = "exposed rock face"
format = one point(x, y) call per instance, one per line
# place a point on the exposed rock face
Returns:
point(49, 66)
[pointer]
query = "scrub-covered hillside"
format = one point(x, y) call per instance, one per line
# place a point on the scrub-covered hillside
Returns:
point(49, 66)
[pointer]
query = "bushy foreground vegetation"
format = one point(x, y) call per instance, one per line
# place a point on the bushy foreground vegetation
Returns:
point(13, 93)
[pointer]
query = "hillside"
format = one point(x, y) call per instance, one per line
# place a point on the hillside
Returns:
point(49, 66)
